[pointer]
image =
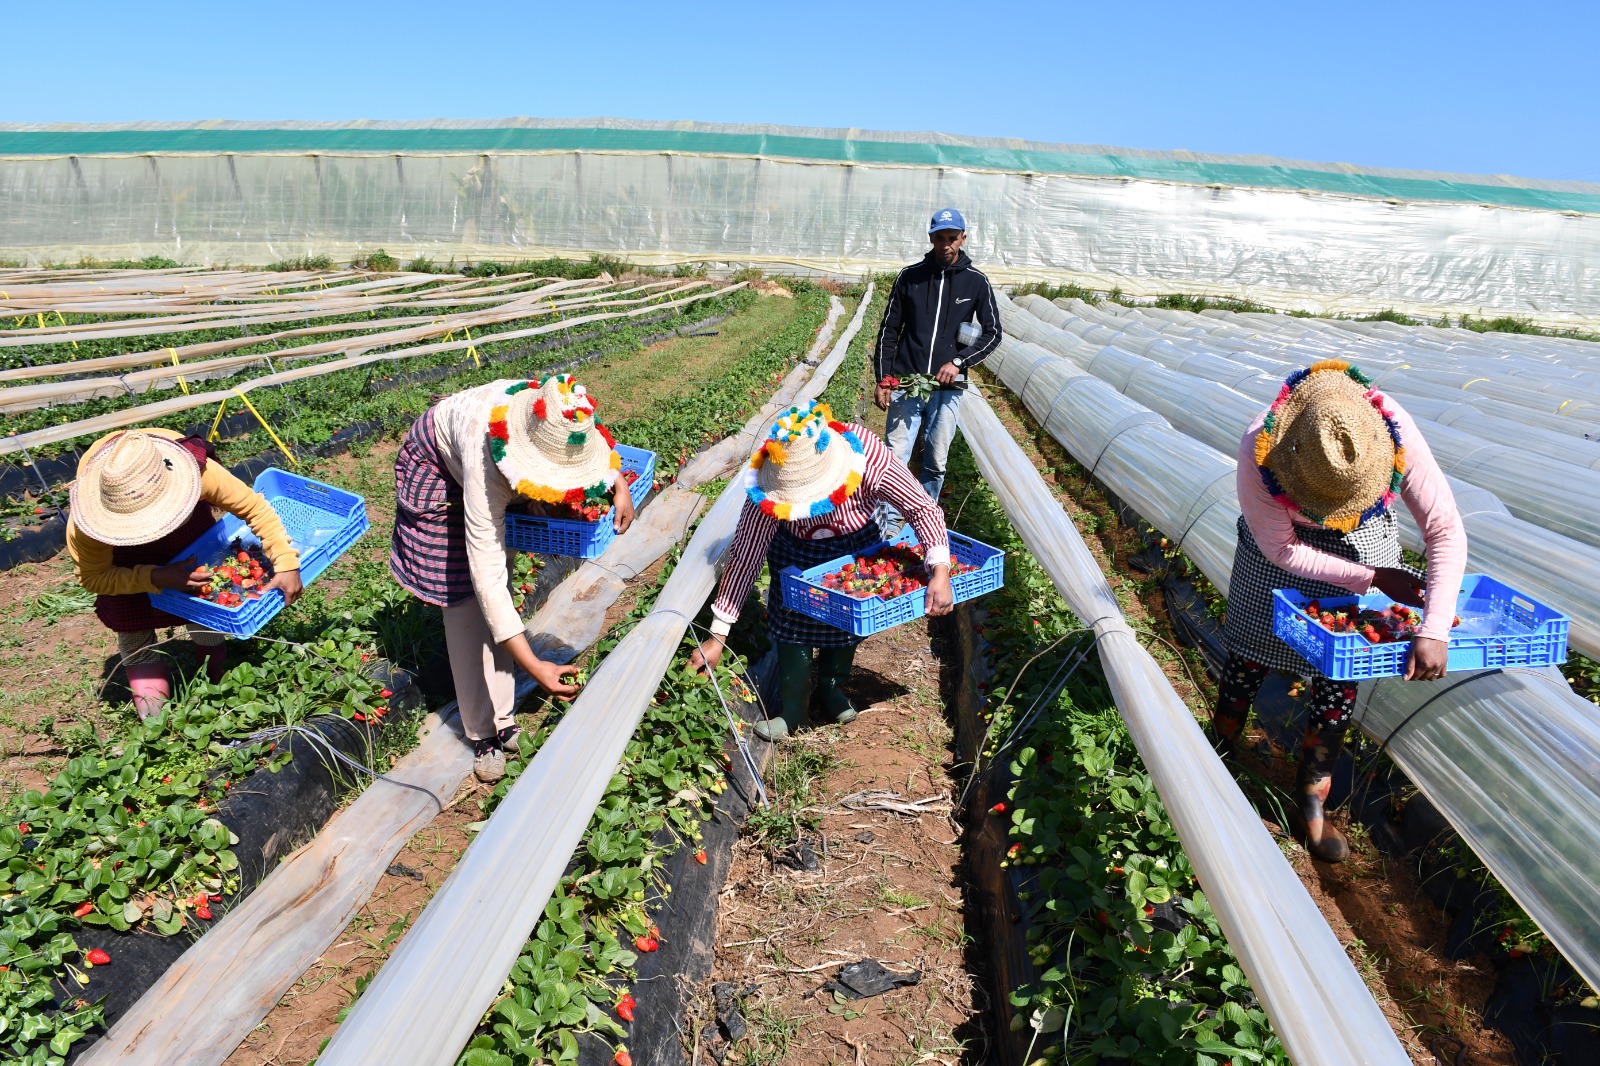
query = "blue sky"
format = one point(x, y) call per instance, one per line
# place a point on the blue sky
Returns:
point(1469, 86)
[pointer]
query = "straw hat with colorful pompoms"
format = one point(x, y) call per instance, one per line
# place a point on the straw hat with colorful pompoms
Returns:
point(546, 440)
point(1330, 447)
point(808, 465)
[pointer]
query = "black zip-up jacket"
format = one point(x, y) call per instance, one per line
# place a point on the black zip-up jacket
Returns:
point(927, 306)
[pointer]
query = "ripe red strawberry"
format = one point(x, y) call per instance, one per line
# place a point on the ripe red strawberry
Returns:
point(98, 957)
point(83, 908)
point(203, 912)
point(384, 693)
point(623, 1058)
point(24, 828)
point(645, 943)
point(999, 808)
point(700, 856)
point(625, 1007)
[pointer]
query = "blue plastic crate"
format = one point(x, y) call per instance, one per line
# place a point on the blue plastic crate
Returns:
point(322, 521)
point(567, 536)
point(1499, 627)
point(803, 590)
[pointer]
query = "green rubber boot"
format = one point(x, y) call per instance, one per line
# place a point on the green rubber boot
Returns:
point(833, 667)
point(794, 692)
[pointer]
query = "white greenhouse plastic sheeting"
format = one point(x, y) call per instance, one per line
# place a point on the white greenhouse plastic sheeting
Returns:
point(1524, 722)
point(1283, 232)
point(1554, 568)
point(1318, 1004)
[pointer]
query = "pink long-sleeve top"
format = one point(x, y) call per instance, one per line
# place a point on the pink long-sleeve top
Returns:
point(1427, 495)
point(885, 478)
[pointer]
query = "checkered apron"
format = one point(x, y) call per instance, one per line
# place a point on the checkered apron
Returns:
point(1248, 630)
point(428, 553)
point(791, 627)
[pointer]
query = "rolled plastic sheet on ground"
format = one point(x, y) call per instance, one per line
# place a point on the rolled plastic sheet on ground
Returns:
point(1317, 1002)
point(1521, 727)
point(1283, 232)
point(1559, 570)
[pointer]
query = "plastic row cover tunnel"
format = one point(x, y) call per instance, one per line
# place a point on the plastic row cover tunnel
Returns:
point(1531, 820)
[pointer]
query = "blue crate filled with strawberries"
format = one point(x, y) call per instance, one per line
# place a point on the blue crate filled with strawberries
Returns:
point(1350, 638)
point(886, 585)
point(323, 521)
point(585, 531)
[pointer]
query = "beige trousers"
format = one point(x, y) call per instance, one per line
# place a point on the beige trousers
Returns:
point(486, 686)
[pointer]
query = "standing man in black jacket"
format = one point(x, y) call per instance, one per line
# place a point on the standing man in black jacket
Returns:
point(941, 321)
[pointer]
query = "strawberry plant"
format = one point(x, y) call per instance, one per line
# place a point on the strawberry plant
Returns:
point(845, 391)
point(1131, 964)
point(567, 979)
point(128, 836)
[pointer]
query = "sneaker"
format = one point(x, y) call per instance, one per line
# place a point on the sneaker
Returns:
point(488, 760)
point(511, 738)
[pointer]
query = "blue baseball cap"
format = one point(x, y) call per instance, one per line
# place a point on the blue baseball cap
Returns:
point(948, 218)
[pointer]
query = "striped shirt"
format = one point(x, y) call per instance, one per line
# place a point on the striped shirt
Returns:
point(886, 479)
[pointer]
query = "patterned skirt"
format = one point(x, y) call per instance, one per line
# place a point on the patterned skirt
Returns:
point(428, 554)
point(791, 627)
point(1248, 630)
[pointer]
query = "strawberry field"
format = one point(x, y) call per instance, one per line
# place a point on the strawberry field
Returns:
point(1086, 931)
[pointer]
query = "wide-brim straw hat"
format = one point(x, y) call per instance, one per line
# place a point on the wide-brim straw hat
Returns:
point(547, 442)
point(1330, 447)
point(808, 465)
point(134, 488)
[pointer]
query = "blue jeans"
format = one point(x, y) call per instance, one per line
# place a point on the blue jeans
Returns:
point(933, 419)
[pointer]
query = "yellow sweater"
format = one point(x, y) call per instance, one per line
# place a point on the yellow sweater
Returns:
point(92, 559)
